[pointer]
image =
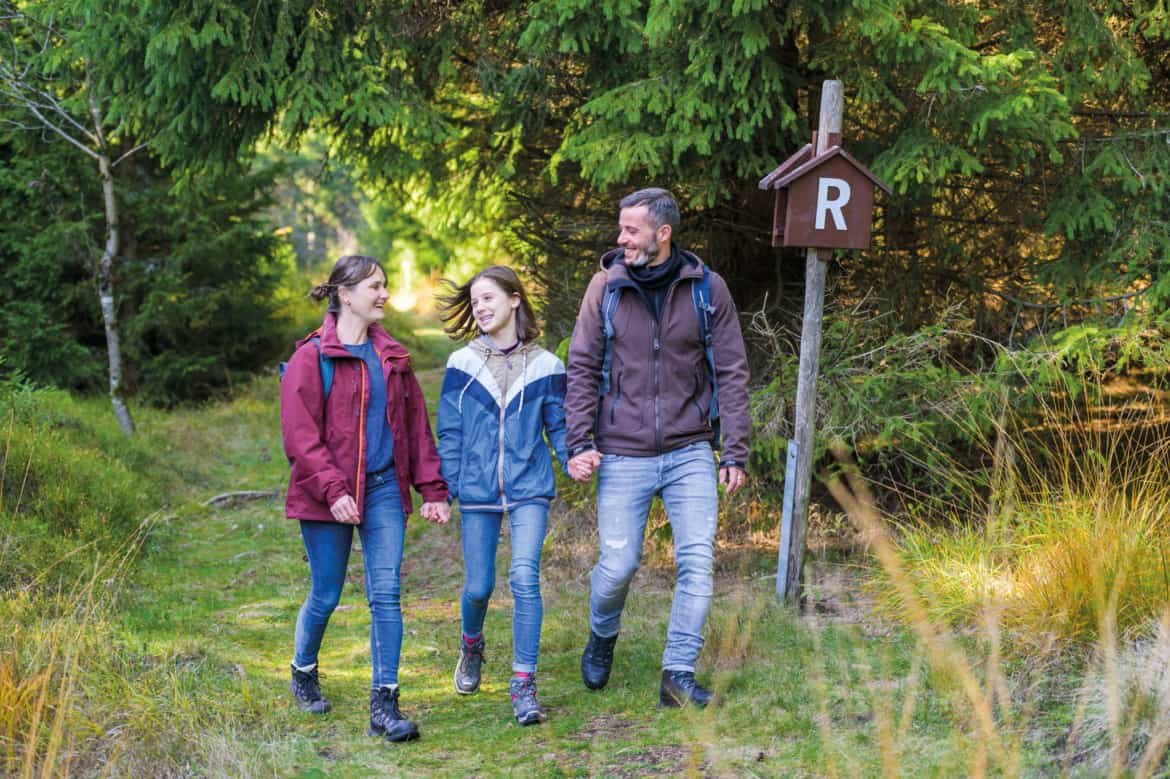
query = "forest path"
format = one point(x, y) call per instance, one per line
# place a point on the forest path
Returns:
point(217, 595)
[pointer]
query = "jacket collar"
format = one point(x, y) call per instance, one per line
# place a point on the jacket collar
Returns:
point(331, 344)
point(618, 275)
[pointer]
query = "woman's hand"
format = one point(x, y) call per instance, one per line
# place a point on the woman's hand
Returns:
point(437, 511)
point(344, 510)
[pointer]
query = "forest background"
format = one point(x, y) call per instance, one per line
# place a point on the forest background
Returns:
point(175, 175)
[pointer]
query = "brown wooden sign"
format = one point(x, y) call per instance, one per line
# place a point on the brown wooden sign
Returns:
point(823, 201)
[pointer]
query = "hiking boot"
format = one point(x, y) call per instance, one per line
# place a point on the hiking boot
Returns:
point(597, 660)
point(386, 719)
point(307, 690)
point(679, 689)
point(468, 667)
point(524, 704)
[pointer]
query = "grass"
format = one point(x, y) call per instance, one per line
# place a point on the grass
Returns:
point(169, 657)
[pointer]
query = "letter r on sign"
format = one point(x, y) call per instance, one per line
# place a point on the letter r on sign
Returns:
point(834, 204)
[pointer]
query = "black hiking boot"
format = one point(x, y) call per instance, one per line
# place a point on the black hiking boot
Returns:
point(597, 660)
point(307, 690)
point(679, 689)
point(386, 719)
point(468, 668)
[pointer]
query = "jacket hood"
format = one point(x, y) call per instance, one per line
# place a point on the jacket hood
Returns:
point(332, 346)
point(484, 346)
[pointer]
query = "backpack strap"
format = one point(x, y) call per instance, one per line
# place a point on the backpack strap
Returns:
point(608, 307)
point(326, 367)
point(704, 310)
point(326, 364)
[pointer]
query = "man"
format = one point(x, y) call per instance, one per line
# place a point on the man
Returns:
point(649, 431)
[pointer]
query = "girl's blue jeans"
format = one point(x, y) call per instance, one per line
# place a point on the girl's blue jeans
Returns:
point(327, 544)
point(481, 537)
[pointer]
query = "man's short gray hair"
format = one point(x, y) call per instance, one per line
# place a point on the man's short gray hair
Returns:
point(660, 204)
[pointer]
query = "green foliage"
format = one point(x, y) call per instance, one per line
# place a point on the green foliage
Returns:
point(197, 280)
point(62, 489)
point(916, 414)
point(205, 306)
point(902, 403)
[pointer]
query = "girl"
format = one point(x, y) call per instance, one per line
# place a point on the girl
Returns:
point(357, 436)
point(502, 394)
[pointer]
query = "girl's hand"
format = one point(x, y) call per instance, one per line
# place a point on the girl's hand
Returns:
point(437, 511)
point(344, 510)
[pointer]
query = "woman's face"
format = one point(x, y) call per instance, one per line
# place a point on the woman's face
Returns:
point(367, 299)
point(493, 308)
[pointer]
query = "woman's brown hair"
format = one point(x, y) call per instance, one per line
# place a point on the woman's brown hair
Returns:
point(350, 270)
point(455, 305)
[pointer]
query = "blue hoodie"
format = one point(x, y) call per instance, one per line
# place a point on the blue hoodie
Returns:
point(494, 413)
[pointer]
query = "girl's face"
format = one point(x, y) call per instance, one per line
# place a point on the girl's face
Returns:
point(493, 308)
point(367, 299)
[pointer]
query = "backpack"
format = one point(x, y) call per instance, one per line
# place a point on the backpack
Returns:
point(326, 367)
point(701, 295)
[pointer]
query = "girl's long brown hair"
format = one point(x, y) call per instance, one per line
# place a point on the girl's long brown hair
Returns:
point(455, 305)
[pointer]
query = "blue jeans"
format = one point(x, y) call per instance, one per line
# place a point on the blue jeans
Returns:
point(382, 532)
point(685, 478)
point(481, 537)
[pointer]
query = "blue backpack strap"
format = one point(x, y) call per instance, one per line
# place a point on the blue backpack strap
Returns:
point(701, 292)
point(608, 307)
point(326, 366)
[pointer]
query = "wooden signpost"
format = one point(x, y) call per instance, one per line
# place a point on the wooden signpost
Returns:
point(824, 201)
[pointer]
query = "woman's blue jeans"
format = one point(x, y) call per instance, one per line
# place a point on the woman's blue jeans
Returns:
point(481, 537)
point(685, 478)
point(382, 532)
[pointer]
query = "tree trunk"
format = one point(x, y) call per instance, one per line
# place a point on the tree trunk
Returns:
point(105, 285)
point(105, 278)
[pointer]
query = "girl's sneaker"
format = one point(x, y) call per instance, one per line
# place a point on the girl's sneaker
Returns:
point(524, 704)
point(468, 668)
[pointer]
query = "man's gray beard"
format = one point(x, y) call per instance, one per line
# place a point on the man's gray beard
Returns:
point(642, 259)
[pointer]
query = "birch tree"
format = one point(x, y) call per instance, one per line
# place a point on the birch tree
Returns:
point(50, 87)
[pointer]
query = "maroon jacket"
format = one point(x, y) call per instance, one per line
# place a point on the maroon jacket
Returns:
point(659, 395)
point(325, 438)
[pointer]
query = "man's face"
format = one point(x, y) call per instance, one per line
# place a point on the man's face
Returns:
point(638, 236)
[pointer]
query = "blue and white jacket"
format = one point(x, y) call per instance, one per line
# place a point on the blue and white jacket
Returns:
point(494, 413)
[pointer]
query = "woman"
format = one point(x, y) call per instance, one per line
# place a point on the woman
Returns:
point(502, 394)
point(357, 436)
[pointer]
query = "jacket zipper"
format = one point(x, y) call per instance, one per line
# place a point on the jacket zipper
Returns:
point(503, 416)
point(657, 396)
point(658, 438)
point(361, 439)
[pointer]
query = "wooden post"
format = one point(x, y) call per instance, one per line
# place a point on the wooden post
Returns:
point(788, 578)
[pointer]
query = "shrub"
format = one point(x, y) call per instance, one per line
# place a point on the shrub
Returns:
point(61, 489)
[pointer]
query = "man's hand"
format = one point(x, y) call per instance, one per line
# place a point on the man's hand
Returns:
point(582, 466)
point(733, 478)
point(344, 510)
point(436, 511)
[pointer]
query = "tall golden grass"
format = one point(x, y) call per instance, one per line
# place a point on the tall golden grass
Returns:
point(1052, 589)
point(48, 641)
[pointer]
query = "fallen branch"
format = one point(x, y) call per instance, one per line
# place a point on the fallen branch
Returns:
point(228, 497)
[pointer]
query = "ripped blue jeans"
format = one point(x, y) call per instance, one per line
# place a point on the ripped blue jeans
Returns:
point(327, 544)
point(685, 478)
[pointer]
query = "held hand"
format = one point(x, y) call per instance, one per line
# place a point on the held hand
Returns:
point(436, 511)
point(733, 478)
point(582, 466)
point(344, 510)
